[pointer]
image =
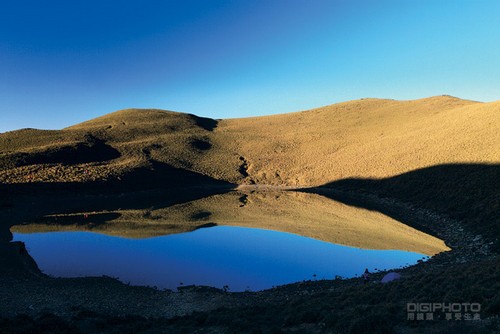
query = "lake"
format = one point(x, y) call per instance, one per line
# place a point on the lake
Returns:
point(241, 258)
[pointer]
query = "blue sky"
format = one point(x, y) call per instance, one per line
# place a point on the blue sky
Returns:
point(63, 62)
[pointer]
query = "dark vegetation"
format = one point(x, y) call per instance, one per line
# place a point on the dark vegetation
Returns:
point(91, 149)
point(469, 193)
point(351, 307)
point(156, 175)
point(201, 144)
point(343, 307)
point(208, 124)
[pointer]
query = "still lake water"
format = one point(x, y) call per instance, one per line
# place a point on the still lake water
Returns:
point(239, 257)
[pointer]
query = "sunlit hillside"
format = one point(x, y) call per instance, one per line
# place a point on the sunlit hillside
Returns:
point(364, 138)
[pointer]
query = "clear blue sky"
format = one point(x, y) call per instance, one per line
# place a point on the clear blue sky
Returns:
point(63, 62)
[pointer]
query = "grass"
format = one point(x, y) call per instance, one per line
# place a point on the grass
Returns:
point(369, 138)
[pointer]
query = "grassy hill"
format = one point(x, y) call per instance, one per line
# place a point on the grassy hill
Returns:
point(109, 147)
point(366, 138)
point(357, 139)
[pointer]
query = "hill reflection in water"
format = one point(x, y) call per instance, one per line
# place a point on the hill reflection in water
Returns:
point(305, 214)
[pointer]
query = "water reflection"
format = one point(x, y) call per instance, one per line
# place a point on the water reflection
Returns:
point(242, 258)
point(303, 214)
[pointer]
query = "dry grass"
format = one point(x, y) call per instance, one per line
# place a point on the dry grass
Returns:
point(366, 138)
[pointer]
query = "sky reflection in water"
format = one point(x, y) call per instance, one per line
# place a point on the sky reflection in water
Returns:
point(242, 258)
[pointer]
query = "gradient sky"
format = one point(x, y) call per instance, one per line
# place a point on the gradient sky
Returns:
point(63, 62)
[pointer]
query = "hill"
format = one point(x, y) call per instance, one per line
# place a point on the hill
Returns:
point(368, 138)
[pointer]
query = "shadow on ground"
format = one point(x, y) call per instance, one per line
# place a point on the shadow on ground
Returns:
point(465, 192)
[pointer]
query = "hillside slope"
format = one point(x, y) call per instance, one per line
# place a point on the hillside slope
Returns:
point(106, 148)
point(369, 138)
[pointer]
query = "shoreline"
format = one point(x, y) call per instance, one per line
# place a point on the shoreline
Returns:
point(106, 293)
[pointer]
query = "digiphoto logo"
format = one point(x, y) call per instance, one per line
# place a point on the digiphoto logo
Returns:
point(447, 311)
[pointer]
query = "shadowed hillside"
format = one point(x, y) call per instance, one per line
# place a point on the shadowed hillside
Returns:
point(88, 150)
point(108, 147)
point(364, 139)
point(469, 193)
